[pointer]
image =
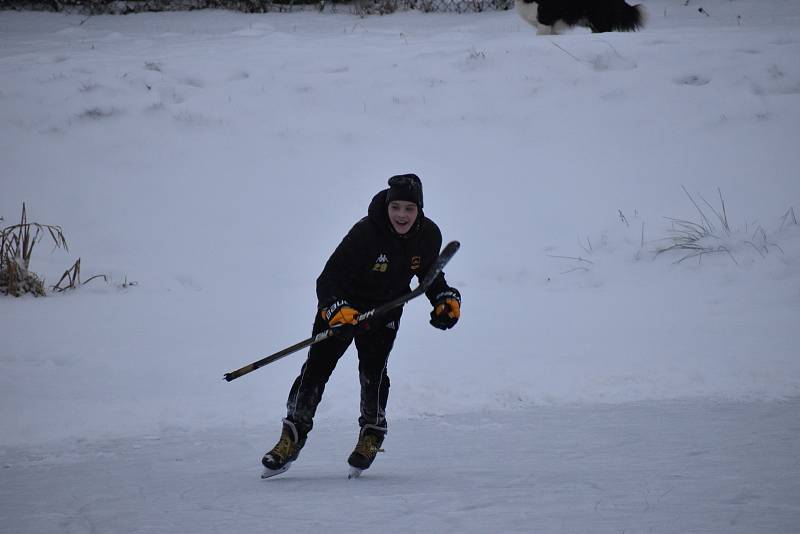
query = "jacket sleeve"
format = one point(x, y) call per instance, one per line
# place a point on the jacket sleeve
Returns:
point(342, 268)
point(434, 245)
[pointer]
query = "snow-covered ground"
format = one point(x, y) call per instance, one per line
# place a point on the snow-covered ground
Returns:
point(217, 158)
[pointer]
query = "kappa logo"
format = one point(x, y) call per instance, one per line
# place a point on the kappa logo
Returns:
point(381, 264)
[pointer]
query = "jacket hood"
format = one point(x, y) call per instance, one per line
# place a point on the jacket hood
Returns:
point(378, 213)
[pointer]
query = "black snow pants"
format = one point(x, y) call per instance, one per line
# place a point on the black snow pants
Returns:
point(373, 345)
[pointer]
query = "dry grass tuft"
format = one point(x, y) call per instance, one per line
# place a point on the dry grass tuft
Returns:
point(16, 248)
point(708, 236)
point(789, 218)
point(712, 234)
point(17, 243)
point(72, 278)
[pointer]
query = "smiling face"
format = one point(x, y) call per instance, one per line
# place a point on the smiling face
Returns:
point(402, 215)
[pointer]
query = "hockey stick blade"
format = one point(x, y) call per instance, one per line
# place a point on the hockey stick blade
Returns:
point(435, 270)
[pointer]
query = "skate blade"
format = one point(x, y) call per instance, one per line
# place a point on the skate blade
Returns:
point(355, 472)
point(269, 473)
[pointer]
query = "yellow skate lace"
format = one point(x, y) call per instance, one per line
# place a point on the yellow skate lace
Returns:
point(367, 446)
point(284, 448)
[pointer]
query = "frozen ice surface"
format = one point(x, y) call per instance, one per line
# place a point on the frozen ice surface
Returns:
point(679, 466)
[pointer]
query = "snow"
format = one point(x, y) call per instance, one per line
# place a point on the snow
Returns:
point(216, 159)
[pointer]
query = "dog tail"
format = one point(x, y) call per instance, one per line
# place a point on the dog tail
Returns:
point(628, 18)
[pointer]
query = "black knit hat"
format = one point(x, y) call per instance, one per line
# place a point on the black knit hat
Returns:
point(406, 187)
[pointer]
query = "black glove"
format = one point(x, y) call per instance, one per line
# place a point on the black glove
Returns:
point(342, 316)
point(446, 309)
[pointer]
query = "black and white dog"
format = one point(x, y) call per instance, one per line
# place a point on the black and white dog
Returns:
point(551, 16)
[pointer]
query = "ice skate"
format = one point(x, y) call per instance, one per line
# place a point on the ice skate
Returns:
point(280, 458)
point(368, 446)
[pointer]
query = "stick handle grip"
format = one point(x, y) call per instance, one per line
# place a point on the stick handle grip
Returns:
point(233, 375)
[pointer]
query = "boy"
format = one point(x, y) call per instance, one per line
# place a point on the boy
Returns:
point(373, 264)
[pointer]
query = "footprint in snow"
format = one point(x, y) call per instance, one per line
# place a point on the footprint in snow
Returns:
point(693, 80)
point(193, 82)
point(238, 76)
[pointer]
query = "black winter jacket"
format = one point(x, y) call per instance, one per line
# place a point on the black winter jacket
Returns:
point(373, 265)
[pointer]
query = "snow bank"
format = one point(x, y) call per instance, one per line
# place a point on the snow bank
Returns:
point(217, 158)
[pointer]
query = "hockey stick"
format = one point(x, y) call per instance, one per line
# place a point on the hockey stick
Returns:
point(438, 265)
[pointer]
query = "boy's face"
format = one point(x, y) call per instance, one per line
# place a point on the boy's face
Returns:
point(402, 215)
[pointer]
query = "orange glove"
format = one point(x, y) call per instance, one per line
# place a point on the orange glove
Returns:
point(340, 312)
point(446, 309)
